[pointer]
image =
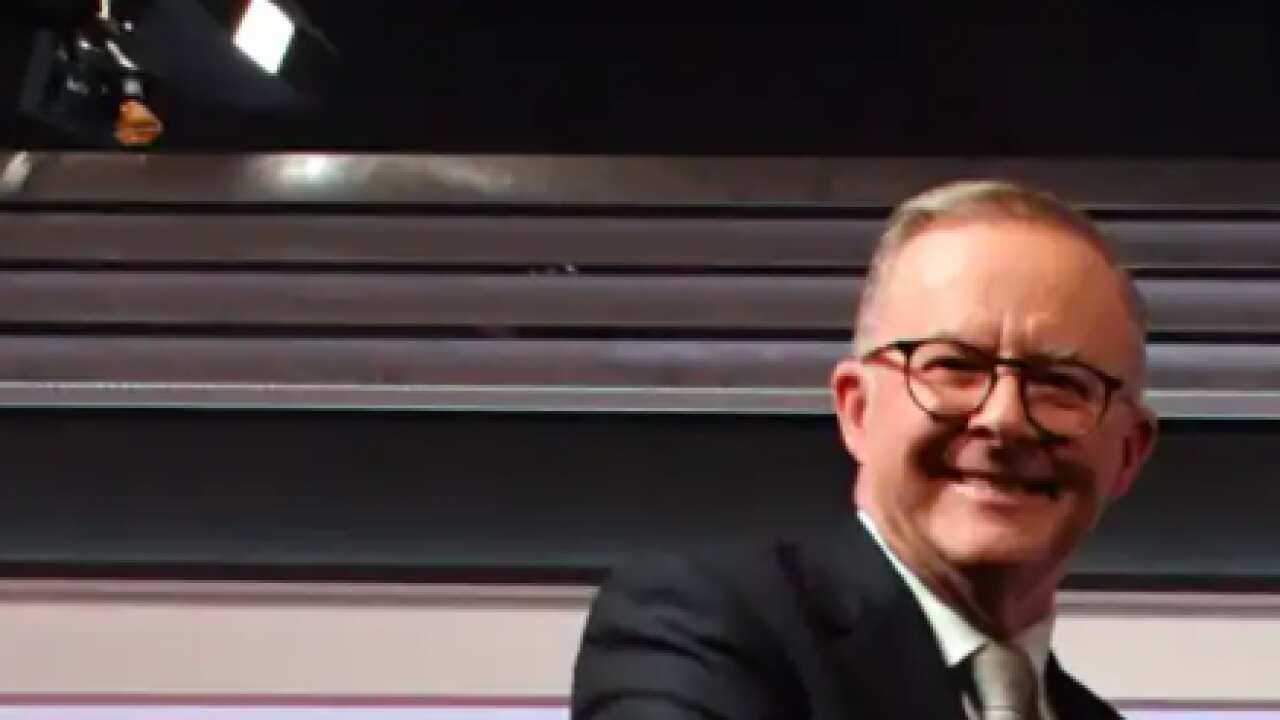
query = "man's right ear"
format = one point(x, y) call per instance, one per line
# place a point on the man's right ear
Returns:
point(849, 390)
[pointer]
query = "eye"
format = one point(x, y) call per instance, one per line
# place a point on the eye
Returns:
point(1065, 381)
point(955, 363)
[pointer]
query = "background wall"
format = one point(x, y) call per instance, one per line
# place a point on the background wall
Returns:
point(89, 641)
point(332, 366)
point(403, 368)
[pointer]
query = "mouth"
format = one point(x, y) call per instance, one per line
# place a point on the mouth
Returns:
point(1001, 487)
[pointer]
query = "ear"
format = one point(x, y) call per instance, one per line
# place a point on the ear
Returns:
point(849, 390)
point(1138, 443)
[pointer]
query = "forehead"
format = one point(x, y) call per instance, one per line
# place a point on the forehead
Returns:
point(1016, 286)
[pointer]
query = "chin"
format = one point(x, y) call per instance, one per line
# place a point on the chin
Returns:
point(982, 531)
point(977, 555)
point(978, 542)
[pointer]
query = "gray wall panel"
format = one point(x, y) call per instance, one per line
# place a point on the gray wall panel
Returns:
point(670, 181)
point(326, 238)
point(794, 303)
point(671, 321)
point(670, 363)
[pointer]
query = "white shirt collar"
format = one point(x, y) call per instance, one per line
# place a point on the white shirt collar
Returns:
point(957, 638)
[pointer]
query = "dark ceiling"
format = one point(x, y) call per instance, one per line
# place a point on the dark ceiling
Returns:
point(1089, 80)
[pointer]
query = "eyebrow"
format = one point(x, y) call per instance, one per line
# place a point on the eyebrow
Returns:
point(1070, 356)
point(1064, 356)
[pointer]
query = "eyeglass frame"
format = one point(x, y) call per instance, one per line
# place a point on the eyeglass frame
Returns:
point(1111, 385)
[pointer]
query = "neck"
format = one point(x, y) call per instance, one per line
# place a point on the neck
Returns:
point(996, 600)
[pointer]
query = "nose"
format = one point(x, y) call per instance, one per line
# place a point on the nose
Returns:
point(1003, 413)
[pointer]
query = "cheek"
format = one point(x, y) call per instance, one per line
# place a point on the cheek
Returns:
point(1104, 459)
point(894, 426)
point(906, 446)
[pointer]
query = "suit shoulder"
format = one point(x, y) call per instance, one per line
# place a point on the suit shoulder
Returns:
point(752, 594)
point(742, 569)
point(687, 631)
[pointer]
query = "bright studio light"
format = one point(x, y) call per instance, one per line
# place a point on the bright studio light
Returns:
point(264, 34)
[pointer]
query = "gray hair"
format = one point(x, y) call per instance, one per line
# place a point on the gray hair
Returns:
point(988, 200)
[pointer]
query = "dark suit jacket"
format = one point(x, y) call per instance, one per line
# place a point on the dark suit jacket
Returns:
point(821, 627)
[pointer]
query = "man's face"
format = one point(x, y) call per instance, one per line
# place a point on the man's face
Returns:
point(961, 492)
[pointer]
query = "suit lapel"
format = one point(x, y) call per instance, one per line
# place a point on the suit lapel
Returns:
point(883, 653)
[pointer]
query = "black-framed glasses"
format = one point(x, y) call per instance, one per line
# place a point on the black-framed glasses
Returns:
point(949, 380)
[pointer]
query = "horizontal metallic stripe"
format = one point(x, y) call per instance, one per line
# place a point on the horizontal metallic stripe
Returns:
point(640, 364)
point(400, 300)
point(1193, 404)
point(231, 593)
point(522, 241)
point(403, 300)
point(332, 239)
point(772, 182)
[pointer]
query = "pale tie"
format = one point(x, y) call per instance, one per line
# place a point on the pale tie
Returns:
point(1005, 682)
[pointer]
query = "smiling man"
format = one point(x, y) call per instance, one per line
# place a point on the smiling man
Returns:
point(993, 403)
